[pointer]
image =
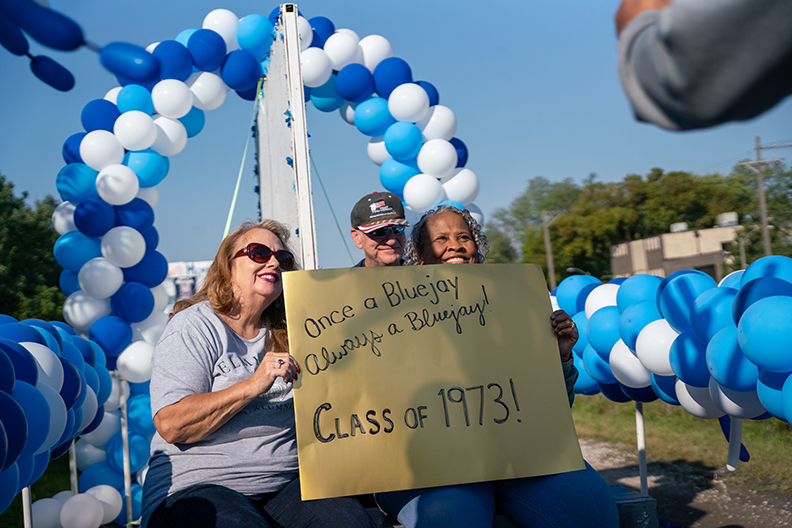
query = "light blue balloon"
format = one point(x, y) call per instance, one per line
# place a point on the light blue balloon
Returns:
point(603, 330)
point(105, 382)
point(581, 321)
point(765, 333)
point(634, 318)
point(326, 98)
point(732, 280)
point(184, 36)
point(151, 167)
point(73, 249)
point(665, 388)
point(138, 452)
point(100, 473)
point(585, 384)
point(637, 288)
point(572, 292)
point(372, 117)
point(678, 296)
point(76, 182)
point(403, 140)
point(776, 266)
point(193, 122)
point(137, 498)
point(688, 359)
point(712, 312)
point(395, 174)
point(254, 34)
point(727, 364)
point(768, 388)
point(598, 368)
point(786, 397)
point(134, 97)
point(139, 414)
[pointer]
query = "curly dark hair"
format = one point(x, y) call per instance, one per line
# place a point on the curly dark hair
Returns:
point(417, 241)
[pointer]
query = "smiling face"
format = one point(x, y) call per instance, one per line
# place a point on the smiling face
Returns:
point(386, 251)
point(253, 281)
point(448, 240)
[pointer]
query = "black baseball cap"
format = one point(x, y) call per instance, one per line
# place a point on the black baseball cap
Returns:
point(376, 210)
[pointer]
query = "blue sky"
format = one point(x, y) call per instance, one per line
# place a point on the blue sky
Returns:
point(533, 85)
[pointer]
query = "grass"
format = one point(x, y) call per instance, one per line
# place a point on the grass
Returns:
point(673, 434)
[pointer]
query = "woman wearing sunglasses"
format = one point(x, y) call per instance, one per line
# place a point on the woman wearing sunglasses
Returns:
point(447, 235)
point(225, 452)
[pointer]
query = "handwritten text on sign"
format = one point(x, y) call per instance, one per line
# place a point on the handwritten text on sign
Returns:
point(425, 376)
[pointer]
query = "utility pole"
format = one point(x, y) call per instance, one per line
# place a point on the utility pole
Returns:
point(548, 250)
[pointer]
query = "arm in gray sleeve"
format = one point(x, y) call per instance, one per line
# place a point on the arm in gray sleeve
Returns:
point(570, 377)
point(700, 63)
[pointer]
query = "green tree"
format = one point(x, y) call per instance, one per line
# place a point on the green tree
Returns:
point(28, 271)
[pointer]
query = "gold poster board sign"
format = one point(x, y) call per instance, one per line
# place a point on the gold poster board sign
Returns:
point(426, 376)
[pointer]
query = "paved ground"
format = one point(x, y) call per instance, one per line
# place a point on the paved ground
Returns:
point(691, 495)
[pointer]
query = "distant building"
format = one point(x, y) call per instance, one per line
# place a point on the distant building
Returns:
point(662, 255)
point(184, 280)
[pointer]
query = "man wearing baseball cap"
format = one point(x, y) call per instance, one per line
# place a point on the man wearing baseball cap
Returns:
point(378, 225)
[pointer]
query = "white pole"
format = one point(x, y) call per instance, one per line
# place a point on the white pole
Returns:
point(26, 508)
point(735, 441)
point(73, 468)
point(125, 442)
point(641, 434)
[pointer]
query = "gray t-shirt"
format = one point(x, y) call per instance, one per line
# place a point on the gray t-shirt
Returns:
point(255, 452)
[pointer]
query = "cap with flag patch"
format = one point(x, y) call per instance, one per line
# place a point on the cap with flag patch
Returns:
point(377, 210)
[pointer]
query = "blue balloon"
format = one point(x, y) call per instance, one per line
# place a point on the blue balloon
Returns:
point(15, 424)
point(52, 73)
point(133, 302)
point(137, 498)
point(274, 16)
point(112, 333)
point(395, 174)
point(139, 415)
point(461, 150)
point(78, 417)
point(12, 38)
point(73, 354)
point(44, 25)
point(727, 364)
point(603, 330)
point(581, 321)
point(70, 389)
point(63, 326)
point(100, 473)
point(617, 280)
point(100, 358)
point(7, 376)
point(265, 62)
point(76, 182)
point(71, 148)
point(613, 392)
point(150, 167)
point(5, 319)
point(3, 437)
point(326, 98)
point(712, 312)
point(86, 350)
point(642, 394)
point(175, 60)
point(323, 28)
point(678, 296)
point(52, 343)
point(193, 122)
point(49, 329)
point(184, 37)
point(389, 74)
point(372, 117)
point(74, 249)
point(97, 419)
point(732, 280)
point(598, 368)
point(61, 449)
point(152, 238)
point(634, 318)
point(140, 388)
point(148, 85)
point(768, 388)
point(755, 290)
point(105, 384)
point(451, 203)
point(637, 288)
point(138, 452)
point(9, 484)
point(37, 412)
point(673, 276)
point(130, 61)
point(94, 217)
point(585, 384)
point(572, 292)
point(240, 70)
point(776, 266)
point(208, 49)
point(77, 407)
point(254, 34)
point(151, 270)
point(25, 365)
point(665, 388)
point(688, 359)
point(91, 378)
point(136, 97)
point(21, 333)
point(25, 466)
point(40, 463)
point(136, 214)
point(356, 83)
point(434, 96)
point(765, 333)
point(99, 114)
point(403, 140)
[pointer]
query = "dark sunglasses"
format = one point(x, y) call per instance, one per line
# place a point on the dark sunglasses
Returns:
point(382, 232)
point(261, 254)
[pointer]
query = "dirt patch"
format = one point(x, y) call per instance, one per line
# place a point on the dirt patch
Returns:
point(691, 495)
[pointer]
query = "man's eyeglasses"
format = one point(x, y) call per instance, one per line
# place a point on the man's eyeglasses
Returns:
point(382, 232)
point(260, 254)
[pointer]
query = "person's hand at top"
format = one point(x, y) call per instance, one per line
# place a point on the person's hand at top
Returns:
point(566, 332)
point(630, 9)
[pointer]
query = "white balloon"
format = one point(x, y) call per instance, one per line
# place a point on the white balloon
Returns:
point(63, 496)
point(343, 49)
point(160, 298)
point(408, 102)
point(135, 130)
point(208, 89)
point(87, 454)
point(463, 187)
point(375, 49)
point(171, 136)
point(150, 195)
point(223, 22)
point(90, 406)
point(316, 67)
point(58, 416)
point(476, 213)
point(377, 151)
point(100, 278)
point(112, 94)
point(117, 184)
point(600, 297)
point(150, 329)
point(114, 400)
point(653, 347)
point(82, 511)
point(439, 122)
point(697, 401)
point(110, 499)
point(101, 148)
point(50, 368)
point(422, 192)
point(45, 513)
point(437, 158)
point(109, 426)
point(347, 31)
point(81, 310)
point(305, 31)
point(63, 218)
point(738, 404)
point(627, 368)
point(135, 362)
point(172, 98)
point(123, 246)
point(347, 111)
point(151, 47)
